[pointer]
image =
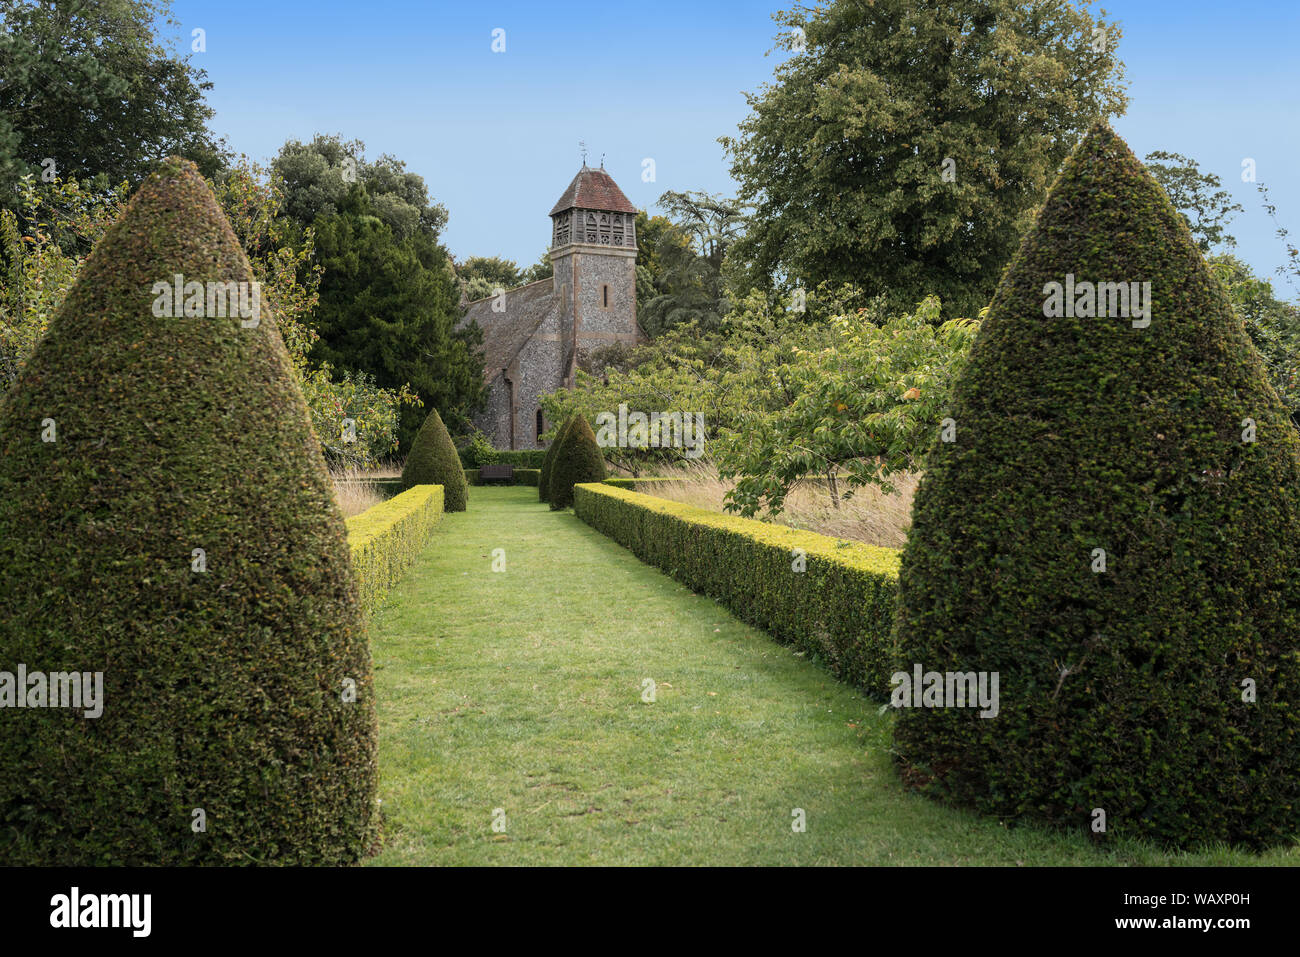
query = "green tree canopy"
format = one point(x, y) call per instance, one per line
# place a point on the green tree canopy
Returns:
point(860, 410)
point(89, 86)
point(712, 222)
point(481, 276)
point(318, 178)
point(679, 277)
point(1207, 207)
point(904, 146)
point(389, 307)
point(389, 295)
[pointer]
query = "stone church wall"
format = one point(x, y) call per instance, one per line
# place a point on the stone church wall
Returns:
point(494, 419)
point(538, 373)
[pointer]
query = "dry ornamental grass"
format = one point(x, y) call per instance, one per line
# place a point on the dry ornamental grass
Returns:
point(869, 515)
point(354, 489)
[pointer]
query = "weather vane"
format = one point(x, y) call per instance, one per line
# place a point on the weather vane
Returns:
point(583, 147)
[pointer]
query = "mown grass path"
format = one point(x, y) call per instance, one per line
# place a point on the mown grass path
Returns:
point(522, 690)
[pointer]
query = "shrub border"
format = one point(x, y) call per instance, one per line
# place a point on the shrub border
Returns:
point(387, 537)
point(521, 477)
point(840, 609)
point(523, 458)
point(633, 484)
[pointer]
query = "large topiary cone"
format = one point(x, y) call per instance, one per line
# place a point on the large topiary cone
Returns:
point(1121, 690)
point(227, 732)
point(434, 461)
point(548, 460)
point(577, 460)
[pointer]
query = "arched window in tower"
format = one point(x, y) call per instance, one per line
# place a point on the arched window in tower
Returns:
point(539, 427)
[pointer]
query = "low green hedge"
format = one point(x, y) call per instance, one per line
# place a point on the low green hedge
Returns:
point(522, 477)
point(520, 458)
point(635, 484)
point(839, 609)
point(386, 538)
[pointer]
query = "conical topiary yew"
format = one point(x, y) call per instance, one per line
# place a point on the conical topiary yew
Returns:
point(548, 460)
point(433, 461)
point(177, 584)
point(577, 460)
point(1109, 525)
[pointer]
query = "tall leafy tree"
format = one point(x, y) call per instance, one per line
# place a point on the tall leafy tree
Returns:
point(861, 410)
point(389, 307)
point(542, 269)
point(88, 85)
point(389, 297)
point(1273, 325)
point(690, 289)
point(318, 177)
point(904, 146)
point(683, 280)
point(712, 222)
point(481, 276)
point(651, 231)
point(1199, 197)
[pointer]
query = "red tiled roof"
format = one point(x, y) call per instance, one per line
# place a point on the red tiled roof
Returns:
point(594, 189)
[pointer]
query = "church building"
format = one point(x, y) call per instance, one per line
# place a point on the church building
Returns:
point(535, 336)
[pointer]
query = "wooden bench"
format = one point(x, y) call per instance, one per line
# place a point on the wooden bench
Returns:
point(496, 472)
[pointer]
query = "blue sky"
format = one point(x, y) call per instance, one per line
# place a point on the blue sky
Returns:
point(495, 135)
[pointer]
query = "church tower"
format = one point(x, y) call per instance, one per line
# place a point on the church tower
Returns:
point(593, 252)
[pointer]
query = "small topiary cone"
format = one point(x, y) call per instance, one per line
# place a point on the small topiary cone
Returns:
point(433, 461)
point(548, 460)
point(577, 460)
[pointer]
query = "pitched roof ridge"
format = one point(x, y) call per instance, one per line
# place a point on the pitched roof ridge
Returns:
point(535, 326)
point(513, 289)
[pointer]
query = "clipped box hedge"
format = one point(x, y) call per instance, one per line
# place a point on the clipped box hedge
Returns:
point(839, 609)
point(521, 458)
point(385, 539)
point(521, 477)
point(639, 484)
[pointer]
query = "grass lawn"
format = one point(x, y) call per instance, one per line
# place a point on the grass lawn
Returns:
point(522, 690)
